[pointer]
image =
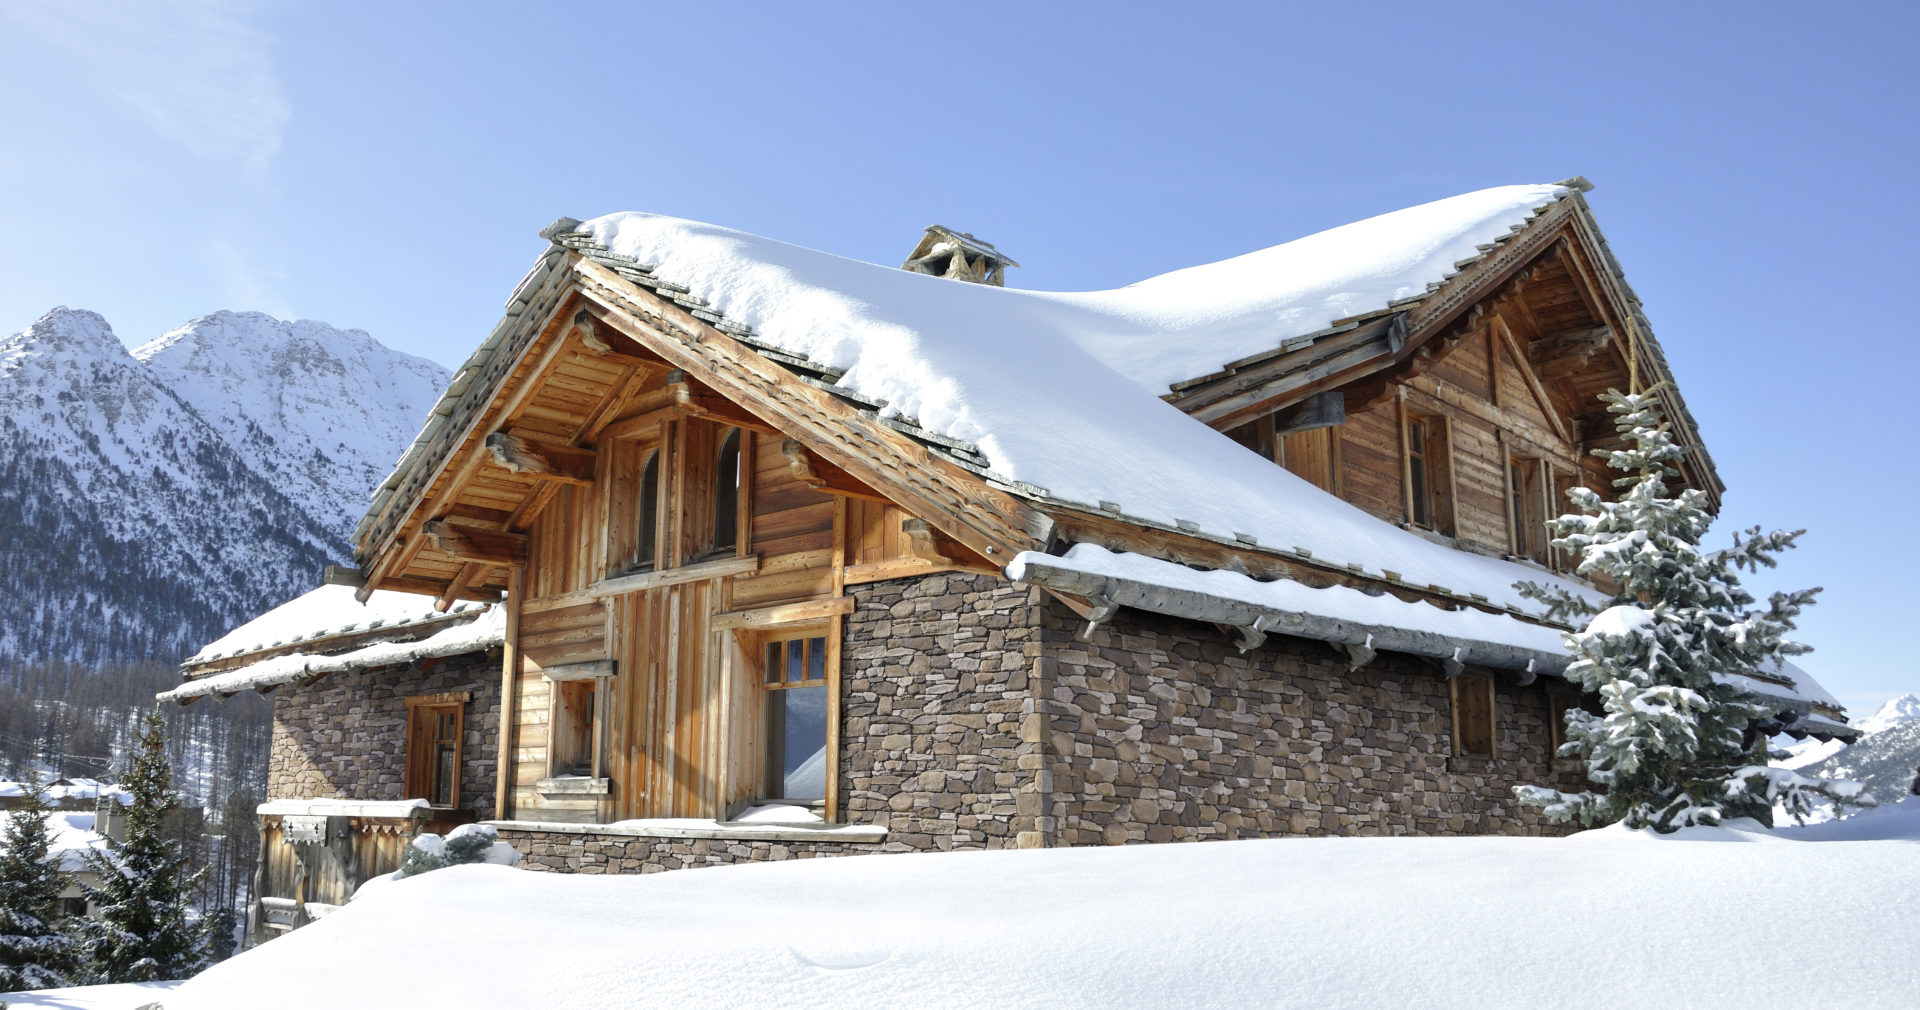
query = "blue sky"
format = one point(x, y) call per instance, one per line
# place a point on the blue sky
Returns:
point(386, 166)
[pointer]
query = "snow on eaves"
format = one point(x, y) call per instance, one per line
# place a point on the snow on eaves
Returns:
point(1348, 616)
point(483, 630)
point(326, 612)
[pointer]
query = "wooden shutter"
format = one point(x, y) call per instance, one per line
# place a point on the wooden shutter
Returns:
point(1473, 715)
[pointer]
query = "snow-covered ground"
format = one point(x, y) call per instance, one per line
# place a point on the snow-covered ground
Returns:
point(1605, 918)
point(129, 996)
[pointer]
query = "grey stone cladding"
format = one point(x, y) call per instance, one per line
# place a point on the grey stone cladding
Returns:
point(345, 736)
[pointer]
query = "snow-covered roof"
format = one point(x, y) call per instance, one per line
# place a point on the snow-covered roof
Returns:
point(480, 628)
point(1061, 392)
point(1349, 616)
point(328, 612)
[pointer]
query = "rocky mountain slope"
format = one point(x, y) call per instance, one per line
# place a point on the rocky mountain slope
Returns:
point(324, 412)
point(1885, 757)
point(148, 503)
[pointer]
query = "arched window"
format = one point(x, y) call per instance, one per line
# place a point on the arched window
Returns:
point(726, 494)
point(647, 523)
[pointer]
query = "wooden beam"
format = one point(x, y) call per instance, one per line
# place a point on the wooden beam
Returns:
point(786, 613)
point(1559, 355)
point(824, 477)
point(338, 575)
point(922, 543)
point(1321, 410)
point(1539, 392)
point(541, 460)
point(487, 547)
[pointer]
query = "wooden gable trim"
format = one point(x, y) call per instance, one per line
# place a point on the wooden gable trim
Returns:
point(1504, 335)
point(987, 521)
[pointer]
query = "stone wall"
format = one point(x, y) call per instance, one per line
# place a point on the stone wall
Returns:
point(565, 851)
point(345, 736)
point(1160, 730)
point(934, 686)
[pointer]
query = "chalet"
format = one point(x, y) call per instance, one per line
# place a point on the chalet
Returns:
point(720, 549)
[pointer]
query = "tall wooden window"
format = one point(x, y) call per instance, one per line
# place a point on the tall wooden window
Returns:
point(1473, 734)
point(798, 719)
point(575, 707)
point(433, 748)
point(646, 524)
point(1529, 508)
point(726, 494)
point(1429, 474)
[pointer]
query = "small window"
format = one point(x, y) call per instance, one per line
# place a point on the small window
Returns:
point(74, 907)
point(726, 494)
point(1558, 704)
point(575, 703)
point(1473, 734)
point(1429, 477)
point(1529, 509)
point(433, 750)
point(647, 523)
point(797, 711)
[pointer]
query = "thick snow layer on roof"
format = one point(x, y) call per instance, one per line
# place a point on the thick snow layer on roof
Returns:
point(479, 631)
point(1275, 923)
point(325, 612)
point(1062, 390)
point(71, 837)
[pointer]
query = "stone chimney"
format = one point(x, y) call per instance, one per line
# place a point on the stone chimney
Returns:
point(109, 816)
point(943, 252)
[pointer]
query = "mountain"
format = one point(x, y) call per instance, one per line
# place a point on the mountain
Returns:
point(324, 412)
point(1902, 709)
point(140, 515)
point(1886, 755)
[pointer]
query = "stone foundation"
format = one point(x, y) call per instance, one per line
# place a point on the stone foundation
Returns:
point(607, 852)
point(345, 736)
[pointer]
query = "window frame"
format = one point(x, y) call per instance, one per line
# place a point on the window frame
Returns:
point(420, 767)
point(751, 647)
point(1436, 495)
point(1457, 687)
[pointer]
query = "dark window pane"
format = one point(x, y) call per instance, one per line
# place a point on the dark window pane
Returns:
point(1417, 479)
point(443, 771)
point(774, 653)
point(796, 660)
point(816, 659)
point(797, 744)
point(647, 524)
point(726, 493)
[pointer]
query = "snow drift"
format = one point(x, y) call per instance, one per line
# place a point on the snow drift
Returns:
point(1607, 917)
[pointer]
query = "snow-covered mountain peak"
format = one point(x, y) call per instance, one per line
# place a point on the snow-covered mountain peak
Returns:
point(326, 411)
point(62, 333)
point(1902, 709)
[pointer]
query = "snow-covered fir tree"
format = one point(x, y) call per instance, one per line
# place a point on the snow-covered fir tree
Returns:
point(36, 951)
point(1678, 745)
point(146, 929)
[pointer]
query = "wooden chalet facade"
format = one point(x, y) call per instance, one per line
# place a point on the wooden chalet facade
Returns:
point(746, 611)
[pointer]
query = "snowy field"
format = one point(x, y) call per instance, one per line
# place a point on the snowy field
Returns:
point(1606, 918)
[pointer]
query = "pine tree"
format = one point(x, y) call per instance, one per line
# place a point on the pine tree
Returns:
point(36, 951)
point(146, 930)
point(1679, 744)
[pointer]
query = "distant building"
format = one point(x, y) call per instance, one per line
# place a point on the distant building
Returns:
point(86, 812)
point(741, 551)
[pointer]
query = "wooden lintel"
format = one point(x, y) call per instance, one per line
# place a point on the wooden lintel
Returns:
point(566, 464)
point(487, 547)
point(786, 613)
point(598, 669)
